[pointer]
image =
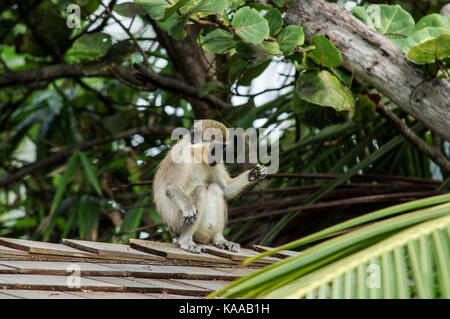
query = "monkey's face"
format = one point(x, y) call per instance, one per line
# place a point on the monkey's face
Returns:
point(216, 153)
point(212, 142)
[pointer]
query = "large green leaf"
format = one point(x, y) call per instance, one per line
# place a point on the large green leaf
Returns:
point(362, 14)
point(92, 45)
point(154, 8)
point(249, 51)
point(275, 20)
point(217, 41)
point(422, 36)
point(323, 88)
point(235, 4)
point(433, 20)
point(250, 26)
point(272, 48)
point(129, 9)
point(290, 37)
point(206, 7)
point(325, 53)
point(391, 19)
point(172, 9)
point(431, 50)
point(174, 26)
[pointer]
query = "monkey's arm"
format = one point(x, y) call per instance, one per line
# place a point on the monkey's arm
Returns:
point(235, 185)
point(183, 201)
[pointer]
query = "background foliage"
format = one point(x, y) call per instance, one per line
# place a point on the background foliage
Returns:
point(78, 149)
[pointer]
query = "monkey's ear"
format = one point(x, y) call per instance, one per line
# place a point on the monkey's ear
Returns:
point(196, 135)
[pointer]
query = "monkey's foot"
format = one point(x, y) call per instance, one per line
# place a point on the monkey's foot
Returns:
point(192, 248)
point(228, 245)
point(189, 216)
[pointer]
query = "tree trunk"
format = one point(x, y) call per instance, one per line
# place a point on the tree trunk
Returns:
point(376, 60)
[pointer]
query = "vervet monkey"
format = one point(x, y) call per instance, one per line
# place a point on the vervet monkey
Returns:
point(191, 187)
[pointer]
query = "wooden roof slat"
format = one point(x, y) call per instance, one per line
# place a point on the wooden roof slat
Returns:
point(37, 247)
point(109, 249)
point(146, 285)
point(40, 294)
point(109, 295)
point(4, 269)
point(173, 287)
point(11, 252)
point(280, 254)
point(142, 269)
point(210, 285)
point(175, 272)
point(52, 282)
point(61, 268)
point(171, 296)
point(4, 295)
point(236, 271)
point(172, 251)
point(239, 256)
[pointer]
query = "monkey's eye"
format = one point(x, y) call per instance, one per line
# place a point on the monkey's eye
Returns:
point(213, 138)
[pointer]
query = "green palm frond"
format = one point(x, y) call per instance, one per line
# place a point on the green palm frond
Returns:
point(417, 257)
point(404, 256)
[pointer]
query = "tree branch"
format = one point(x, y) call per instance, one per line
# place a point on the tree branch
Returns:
point(432, 152)
point(56, 71)
point(138, 78)
point(16, 175)
point(178, 86)
point(376, 60)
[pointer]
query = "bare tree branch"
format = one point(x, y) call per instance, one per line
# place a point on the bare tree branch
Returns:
point(52, 72)
point(141, 78)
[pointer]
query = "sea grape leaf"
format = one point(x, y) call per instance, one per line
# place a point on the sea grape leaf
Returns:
point(250, 26)
point(325, 89)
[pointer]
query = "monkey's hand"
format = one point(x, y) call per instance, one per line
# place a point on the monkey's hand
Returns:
point(190, 215)
point(259, 171)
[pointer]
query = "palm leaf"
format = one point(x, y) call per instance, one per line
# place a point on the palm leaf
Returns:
point(421, 248)
point(382, 213)
point(322, 255)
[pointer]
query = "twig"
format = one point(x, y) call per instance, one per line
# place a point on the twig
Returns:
point(432, 152)
point(407, 196)
point(264, 91)
point(144, 55)
point(392, 179)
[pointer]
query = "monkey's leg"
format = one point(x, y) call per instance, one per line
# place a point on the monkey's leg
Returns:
point(199, 197)
point(219, 208)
